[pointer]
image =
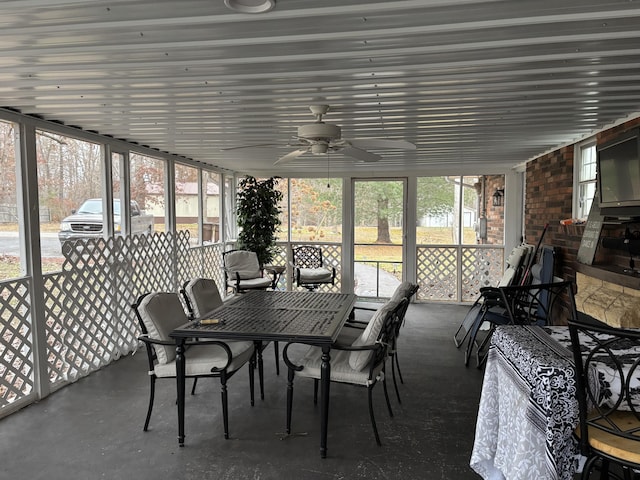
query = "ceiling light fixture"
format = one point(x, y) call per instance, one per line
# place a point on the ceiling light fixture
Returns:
point(251, 6)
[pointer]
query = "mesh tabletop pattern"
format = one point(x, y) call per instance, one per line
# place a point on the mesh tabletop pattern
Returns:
point(329, 302)
point(276, 315)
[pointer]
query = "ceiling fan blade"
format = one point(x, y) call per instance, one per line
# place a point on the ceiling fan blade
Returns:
point(365, 143)
point(289, 157)
point(360, 154)
point(251, 146)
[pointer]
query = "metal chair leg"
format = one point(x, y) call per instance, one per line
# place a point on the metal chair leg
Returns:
point(393, 374)
point(315, 391)
point(225, 406)
point(193, 388)
point(373, 418)
point(395, 357)
point(290, 377)
point(152, 394)
point(252, 369)
point(276, 350)
point(260, 372)
point(386, 392)
point(483, 349)
point(471, 342)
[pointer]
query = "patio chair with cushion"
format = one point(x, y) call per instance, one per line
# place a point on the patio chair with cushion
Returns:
point(607, 372)
point(493, 310)
point(243, 272)
point(309, 268)
point(360, 364)
point(516, 263)
point(201, 295)
point(353, 328)
point(159, 314)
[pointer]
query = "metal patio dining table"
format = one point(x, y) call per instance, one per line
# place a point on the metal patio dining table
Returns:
point(306, 317)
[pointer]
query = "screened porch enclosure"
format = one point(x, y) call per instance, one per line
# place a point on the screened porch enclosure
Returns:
point(66, 307)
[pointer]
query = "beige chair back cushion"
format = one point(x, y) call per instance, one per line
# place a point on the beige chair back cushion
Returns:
point(402, 291)
point(358, 360)
point(513, 264)
point(162, 313)
point(243, 262)
point(203, 295)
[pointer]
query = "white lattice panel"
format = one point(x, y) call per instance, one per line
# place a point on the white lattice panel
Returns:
point(16, 348)
point(481, 267)
point(437, 273)
point(438, 268)
point(280, 258)
point(90, 321)
point(205, 262)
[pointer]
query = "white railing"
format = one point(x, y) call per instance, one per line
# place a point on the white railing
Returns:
point(455, 273)
point(89, 322)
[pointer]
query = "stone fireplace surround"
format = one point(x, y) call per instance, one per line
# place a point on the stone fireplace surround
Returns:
point(613, 304)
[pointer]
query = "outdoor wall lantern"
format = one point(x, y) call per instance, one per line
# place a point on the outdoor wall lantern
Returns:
point(498, 197)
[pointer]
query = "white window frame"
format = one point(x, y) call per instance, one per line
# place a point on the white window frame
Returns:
point(578, 159)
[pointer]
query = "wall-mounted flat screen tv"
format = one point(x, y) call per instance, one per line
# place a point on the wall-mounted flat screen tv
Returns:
point(619, 176)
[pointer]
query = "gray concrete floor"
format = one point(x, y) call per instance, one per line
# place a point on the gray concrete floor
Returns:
point(93, 428)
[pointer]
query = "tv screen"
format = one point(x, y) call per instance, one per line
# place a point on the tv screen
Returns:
point(619, 174)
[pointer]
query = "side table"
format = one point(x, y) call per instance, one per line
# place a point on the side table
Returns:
point(276, 271)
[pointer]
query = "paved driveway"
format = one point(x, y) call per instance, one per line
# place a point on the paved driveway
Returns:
point(365, 280)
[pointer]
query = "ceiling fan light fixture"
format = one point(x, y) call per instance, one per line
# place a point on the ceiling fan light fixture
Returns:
point(251, 6)
point(319, 148)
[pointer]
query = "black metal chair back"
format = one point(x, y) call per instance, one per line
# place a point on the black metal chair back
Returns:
point(536, 304)
point(307, 257)
point(607, 362)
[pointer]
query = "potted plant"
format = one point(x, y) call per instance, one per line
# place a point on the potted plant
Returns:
point(258, 214)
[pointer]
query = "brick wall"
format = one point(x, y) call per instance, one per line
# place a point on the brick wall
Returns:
point(548, 199)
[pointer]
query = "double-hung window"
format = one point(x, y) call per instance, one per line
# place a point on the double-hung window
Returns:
point(584, 178)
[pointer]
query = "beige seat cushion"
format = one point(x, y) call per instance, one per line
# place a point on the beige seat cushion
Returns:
point(341, 370)
point(613, 445)
point(311, 275)
point(202, 358)
point(259, 282)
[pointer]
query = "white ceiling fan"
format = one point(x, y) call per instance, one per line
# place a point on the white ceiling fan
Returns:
point(320, 138)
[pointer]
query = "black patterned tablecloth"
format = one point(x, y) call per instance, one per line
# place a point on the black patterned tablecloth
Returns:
point(528, 409)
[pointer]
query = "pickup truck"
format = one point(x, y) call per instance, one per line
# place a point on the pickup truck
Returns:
point(86, 222)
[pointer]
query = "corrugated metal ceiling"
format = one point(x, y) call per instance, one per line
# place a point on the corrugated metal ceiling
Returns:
point(486, 83)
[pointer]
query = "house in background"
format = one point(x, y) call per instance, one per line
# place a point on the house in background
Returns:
point(186, 203)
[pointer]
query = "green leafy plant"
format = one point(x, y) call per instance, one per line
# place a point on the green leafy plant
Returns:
point(258, 213)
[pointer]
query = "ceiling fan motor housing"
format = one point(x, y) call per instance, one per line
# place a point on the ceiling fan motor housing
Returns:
point(319, 131)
